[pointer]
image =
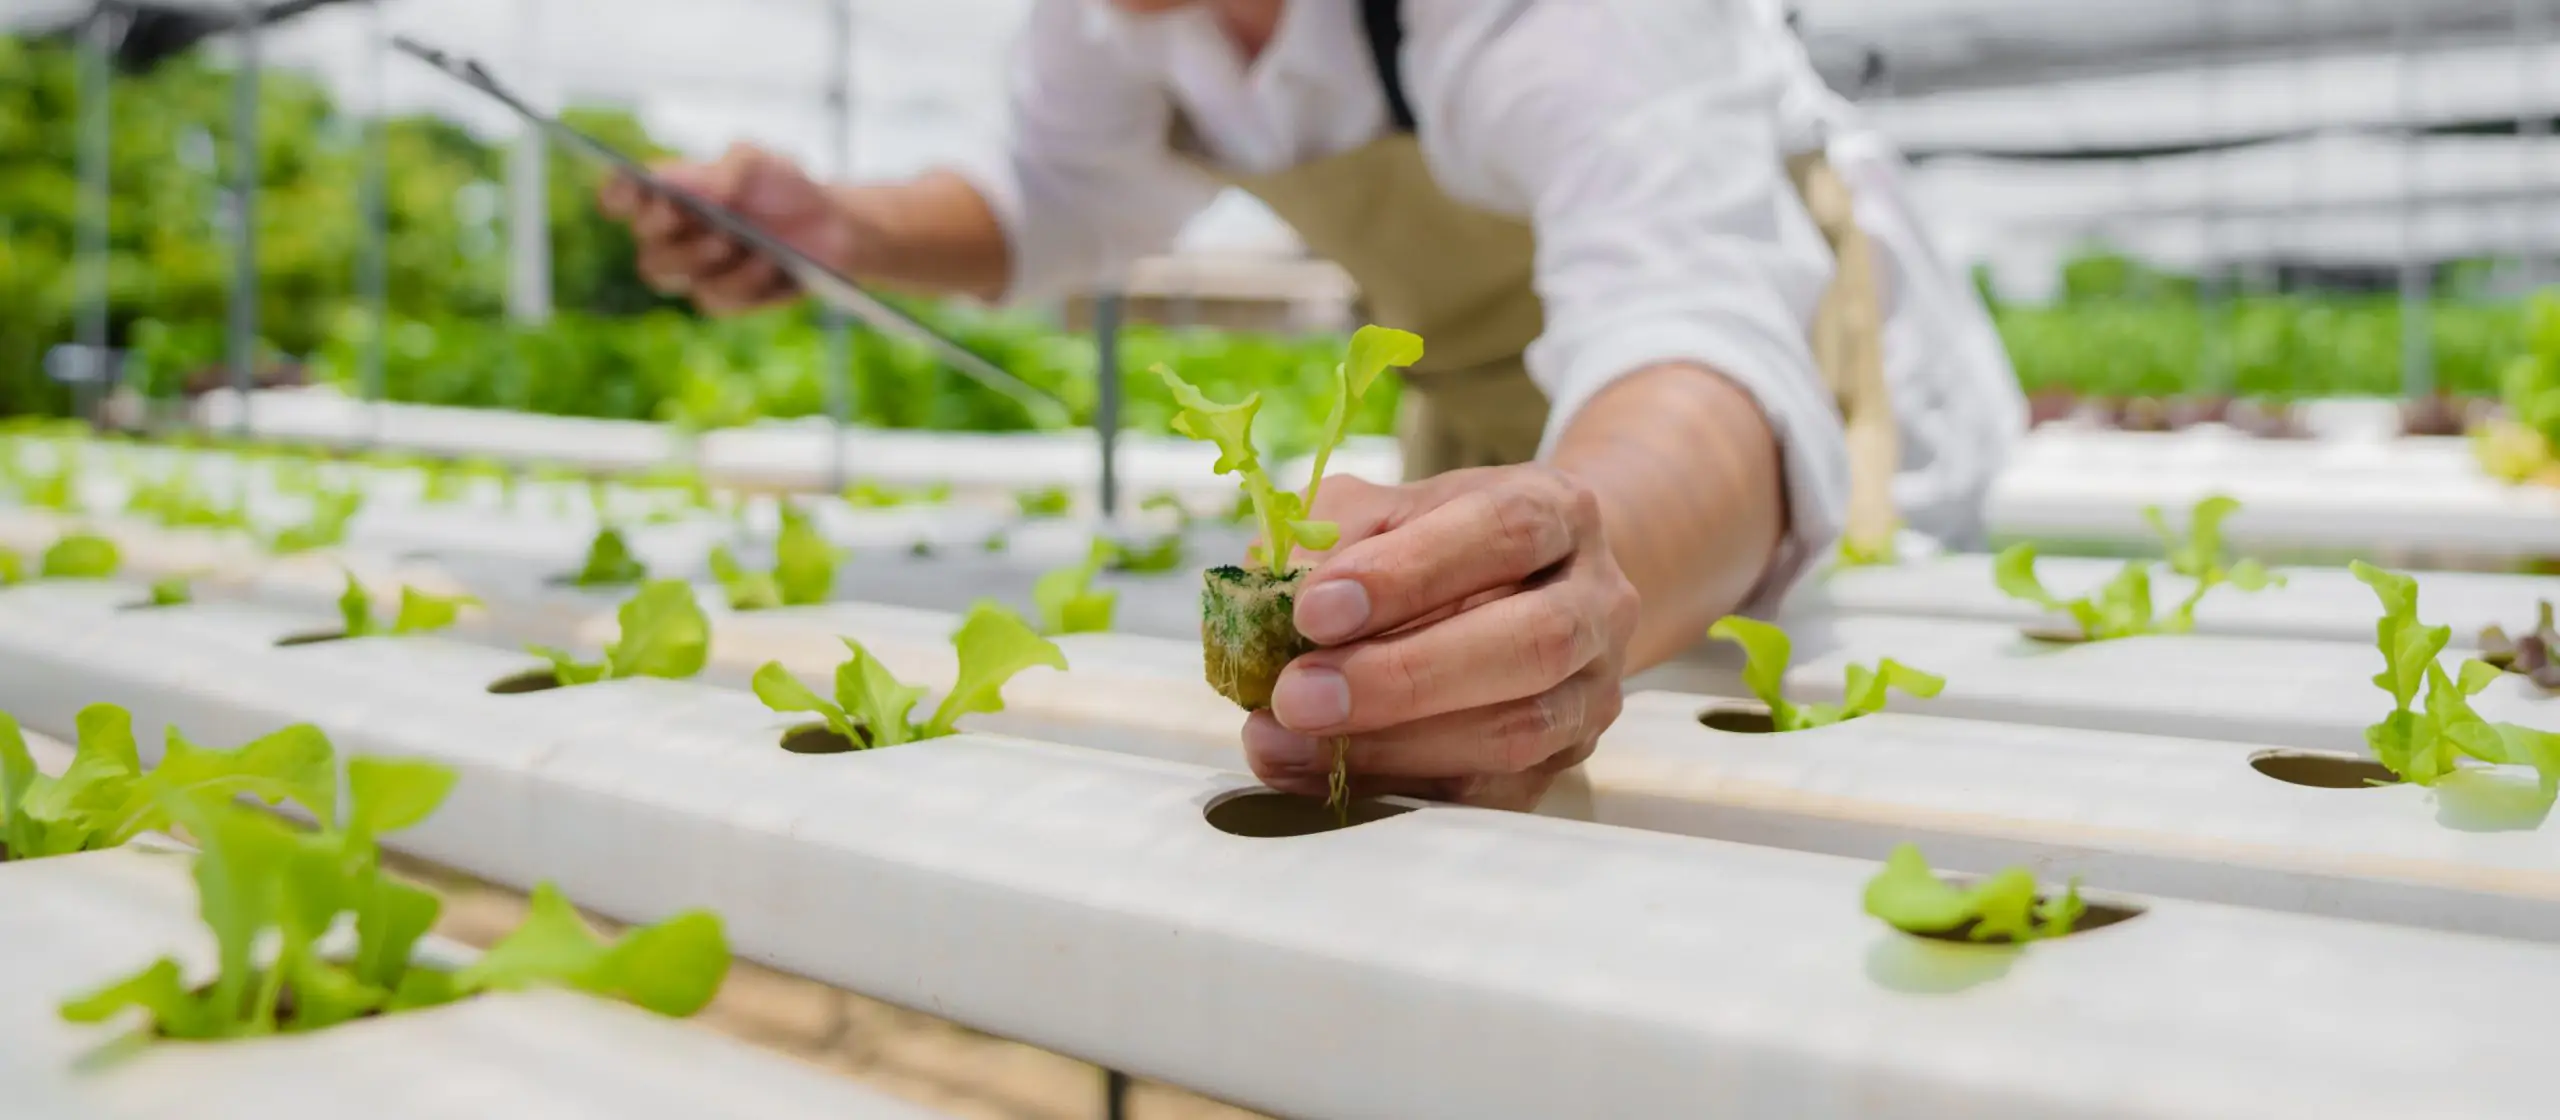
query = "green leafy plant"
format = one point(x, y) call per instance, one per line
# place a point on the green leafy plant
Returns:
point(1766, 651)
point(1854, 553)
point(13, 568)
point(1048, 501)
point(1163, 554)
point(325, 525)
point(80, 556)
point(2123, 606)
point(664, 634)
point(271, 892)
point(105, 798)
point(872, 708)
point(420, 612)
point(2422, 745)
point(1910, 897)
point(1281, 513)
point(609, 561)
point(1172, 503)
point(866, 494)
point(172, 591)
point(804, 569)
point(1066, 599)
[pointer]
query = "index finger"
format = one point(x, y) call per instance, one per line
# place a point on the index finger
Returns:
point(1482, 539)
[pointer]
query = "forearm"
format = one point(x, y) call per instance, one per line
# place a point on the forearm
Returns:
point(1691, 493)
point(934, 233)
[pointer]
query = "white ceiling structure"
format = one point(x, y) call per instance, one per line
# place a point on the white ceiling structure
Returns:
point(2320, 91)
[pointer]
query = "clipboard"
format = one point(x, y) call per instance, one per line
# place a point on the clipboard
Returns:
point(829, 286)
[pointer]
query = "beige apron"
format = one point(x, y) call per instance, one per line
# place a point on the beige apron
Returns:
point(1462, 279)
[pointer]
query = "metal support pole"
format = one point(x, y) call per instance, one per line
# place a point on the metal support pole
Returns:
point(528, 192)
point(2416, 277)
point(2533, 132)
point(838, 374)
point(1106, 412)
point(97, 128)
point(373, 270)
point(244, 212)
point(1115, 1095)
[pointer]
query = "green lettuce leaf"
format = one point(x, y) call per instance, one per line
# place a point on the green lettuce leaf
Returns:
point(1066, 599)
point(609, 561)
point(994, 645)
point(672, 968)
point(745, 590)
point(804, 562)
point(1910, 897)
point(170, 592)
point(80, 556)
point(1765, 651)
point(664, 634)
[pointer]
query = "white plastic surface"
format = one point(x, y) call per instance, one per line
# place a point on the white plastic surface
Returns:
point(2474, 514)
point(2183, 817)
point(1442, 962)
point(2268, 691)
point(77, 922)
point(2327, 604)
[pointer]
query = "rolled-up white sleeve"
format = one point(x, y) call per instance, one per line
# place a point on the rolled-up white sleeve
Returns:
point(1640, 136)
point(1087, 181)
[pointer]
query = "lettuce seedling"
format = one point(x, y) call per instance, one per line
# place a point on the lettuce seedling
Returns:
point(1247, 631)
point(13, 568)
point(804, 569)
point(866, 494)
point(2422, 745)
point(1163, 554)
point(263, 884)
point(420, 612)
point(609, 561)
point(1050, 501)
point(2123, 607)
point(326, 524)
point(872, 708)
point(1766, 651)
point(170, 592)
point(80, 556)
point(1066, 599)
point(1909, 897)
point(664, 634)
point(2532, 656)
point(105, 799)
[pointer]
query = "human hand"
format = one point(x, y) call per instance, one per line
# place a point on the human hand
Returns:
point(1474, 629)
point(682, 255)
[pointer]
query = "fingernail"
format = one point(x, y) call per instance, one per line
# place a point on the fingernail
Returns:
point(1311, 698)
point(1277, 747)
point(1333, 610)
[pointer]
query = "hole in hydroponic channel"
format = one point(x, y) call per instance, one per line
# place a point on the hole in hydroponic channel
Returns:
point(2323, 771)
point(2054, 635)
point(2098, 915)
point(148, 605)
point(1266, 814)
point(312, 638)
point(818, 738)
point(531, 680)
point(1739, 718)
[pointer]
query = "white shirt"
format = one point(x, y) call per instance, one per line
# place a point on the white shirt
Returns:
point(1644, 141)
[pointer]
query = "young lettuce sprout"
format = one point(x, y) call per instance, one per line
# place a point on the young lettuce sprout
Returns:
point(804, 569)
point(1049, 501)
point(331, 510)
point(80, 556)
point(2424, 745)
point(105, 799)
point(1163, 554)
point(1066, 599)
point(664, 634)
point(420, 612)
point(13, 568)
point(2535, 657)
point(1909, 897)
point(2122, 608)
point(272, 892)
point(872, 708)
point(1766, 651)
point(172, 591)
point(609, 561)
point(1246, 626)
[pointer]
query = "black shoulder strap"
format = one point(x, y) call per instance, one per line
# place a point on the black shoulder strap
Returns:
point(1384, 22)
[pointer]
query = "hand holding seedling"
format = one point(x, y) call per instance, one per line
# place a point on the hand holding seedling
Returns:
point(1472, 632)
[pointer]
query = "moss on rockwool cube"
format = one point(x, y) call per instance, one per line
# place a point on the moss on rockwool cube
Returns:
point(1249, 632)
